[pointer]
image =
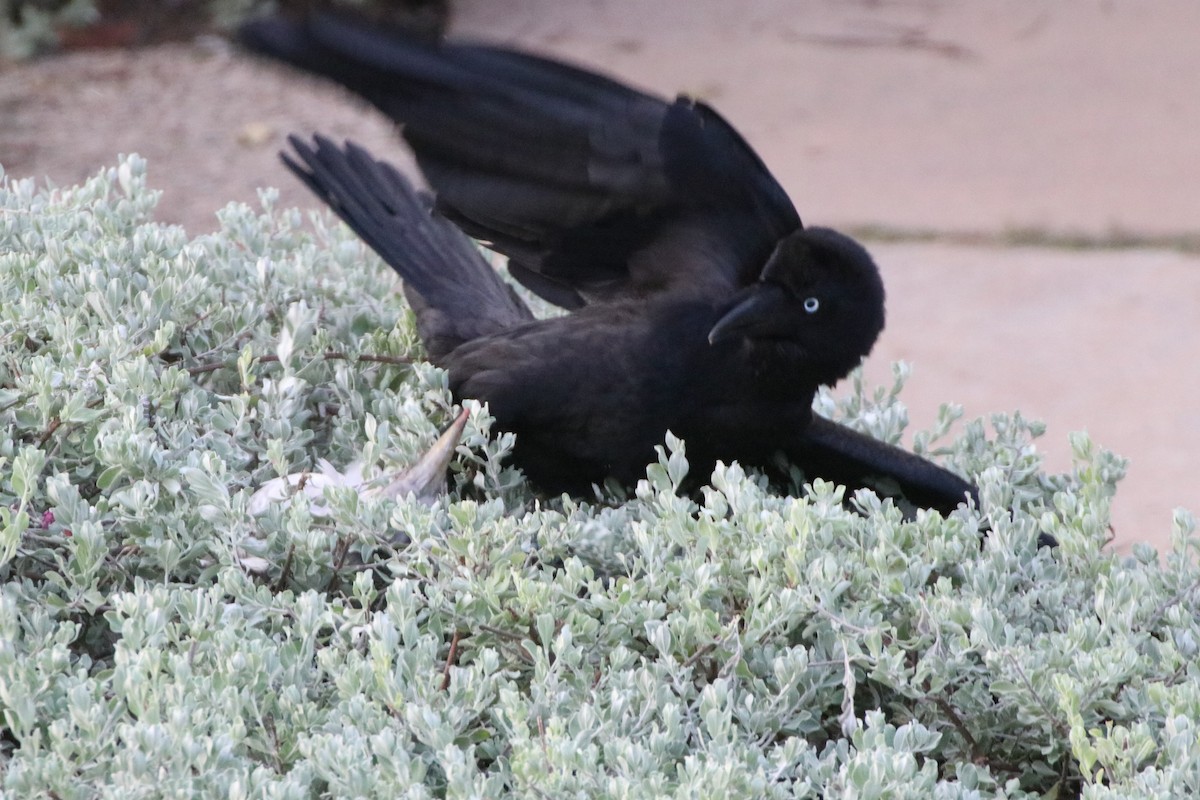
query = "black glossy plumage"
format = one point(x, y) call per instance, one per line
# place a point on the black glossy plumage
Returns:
point(699, 303)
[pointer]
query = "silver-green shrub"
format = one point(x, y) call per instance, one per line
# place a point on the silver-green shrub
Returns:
point(28, 27)
point(32, 27)
point(733, 643)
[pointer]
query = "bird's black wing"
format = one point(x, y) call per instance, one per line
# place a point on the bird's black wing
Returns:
point(455, 293)
point(593, 190)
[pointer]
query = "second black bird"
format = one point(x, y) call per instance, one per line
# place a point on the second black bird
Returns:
point(699, 302)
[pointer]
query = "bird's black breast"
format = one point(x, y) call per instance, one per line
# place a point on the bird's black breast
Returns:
point(591, 394)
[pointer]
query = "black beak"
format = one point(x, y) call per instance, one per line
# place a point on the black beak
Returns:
point(762, 312)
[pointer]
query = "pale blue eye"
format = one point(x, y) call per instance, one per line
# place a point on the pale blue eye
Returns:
point(811, 304)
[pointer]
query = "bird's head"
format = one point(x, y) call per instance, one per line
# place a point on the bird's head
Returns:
point(819, 298)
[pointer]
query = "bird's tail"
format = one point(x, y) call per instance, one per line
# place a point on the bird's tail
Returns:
point(837, 453)
point(455, 293)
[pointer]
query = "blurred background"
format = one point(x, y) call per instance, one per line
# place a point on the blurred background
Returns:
point(1027, 175)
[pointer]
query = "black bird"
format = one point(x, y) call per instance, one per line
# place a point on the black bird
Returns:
point(699, 302)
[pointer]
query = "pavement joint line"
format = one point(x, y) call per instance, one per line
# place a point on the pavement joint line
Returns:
point(1115, 239)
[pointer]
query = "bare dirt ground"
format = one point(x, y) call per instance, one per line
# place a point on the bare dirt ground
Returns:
point(968, 131)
